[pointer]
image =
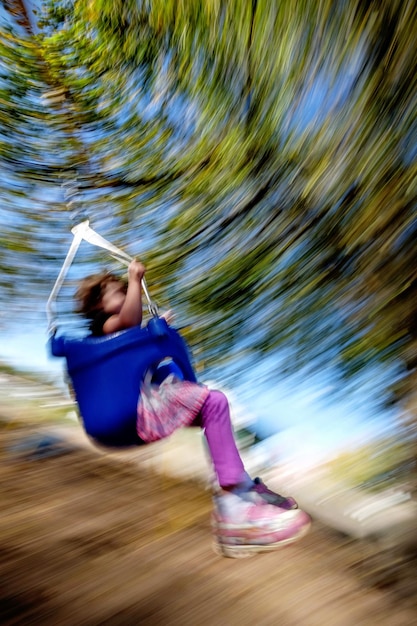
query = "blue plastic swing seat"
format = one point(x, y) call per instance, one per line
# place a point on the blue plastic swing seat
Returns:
point(106, 374)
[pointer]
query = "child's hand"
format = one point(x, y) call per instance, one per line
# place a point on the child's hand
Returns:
point(136, 271)
point(168, 316)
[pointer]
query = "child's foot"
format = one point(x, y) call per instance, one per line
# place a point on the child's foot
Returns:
point(271, 497)
point(242, 528)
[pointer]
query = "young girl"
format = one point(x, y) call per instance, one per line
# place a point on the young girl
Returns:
point(248, 517)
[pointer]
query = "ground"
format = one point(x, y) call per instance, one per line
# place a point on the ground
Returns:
point(92, 539)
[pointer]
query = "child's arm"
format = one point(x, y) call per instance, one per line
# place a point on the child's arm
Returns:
point(131, 312)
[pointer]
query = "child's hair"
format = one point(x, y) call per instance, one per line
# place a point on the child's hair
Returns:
point(90, 292)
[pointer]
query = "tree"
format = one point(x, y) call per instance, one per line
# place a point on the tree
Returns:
point(266, 160)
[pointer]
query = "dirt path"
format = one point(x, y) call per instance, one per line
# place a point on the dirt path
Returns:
point(86, 540)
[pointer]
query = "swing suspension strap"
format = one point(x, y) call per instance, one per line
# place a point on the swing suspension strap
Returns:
point(81, 232)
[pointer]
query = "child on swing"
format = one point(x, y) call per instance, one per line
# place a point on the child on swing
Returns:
point(248, 517)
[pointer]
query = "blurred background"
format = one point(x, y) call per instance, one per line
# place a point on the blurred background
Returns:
point(260, 158)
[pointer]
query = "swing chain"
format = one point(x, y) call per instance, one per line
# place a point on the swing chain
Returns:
point(73, 198)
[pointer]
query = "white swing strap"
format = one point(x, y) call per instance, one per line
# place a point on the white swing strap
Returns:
point(89, 235)
point(81, 232)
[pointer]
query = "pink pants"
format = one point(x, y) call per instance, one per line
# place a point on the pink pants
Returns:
point(214, 419)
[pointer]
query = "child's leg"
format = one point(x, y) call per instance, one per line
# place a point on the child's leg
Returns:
point(244, 521)
point(214, 418)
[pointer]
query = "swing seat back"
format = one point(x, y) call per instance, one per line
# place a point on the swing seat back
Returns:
point(106, 374)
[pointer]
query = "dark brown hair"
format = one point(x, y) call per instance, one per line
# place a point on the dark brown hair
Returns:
point(90, 292)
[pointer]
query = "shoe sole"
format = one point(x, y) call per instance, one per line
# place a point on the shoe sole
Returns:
point(243, 551)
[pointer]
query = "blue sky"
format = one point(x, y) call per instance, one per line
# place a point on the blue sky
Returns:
point(27, 350)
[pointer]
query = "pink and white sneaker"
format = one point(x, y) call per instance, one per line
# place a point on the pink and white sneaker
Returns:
point(242, 528)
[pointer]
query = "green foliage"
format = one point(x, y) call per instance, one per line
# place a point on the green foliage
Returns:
point(377, 465)
point(260, 156)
